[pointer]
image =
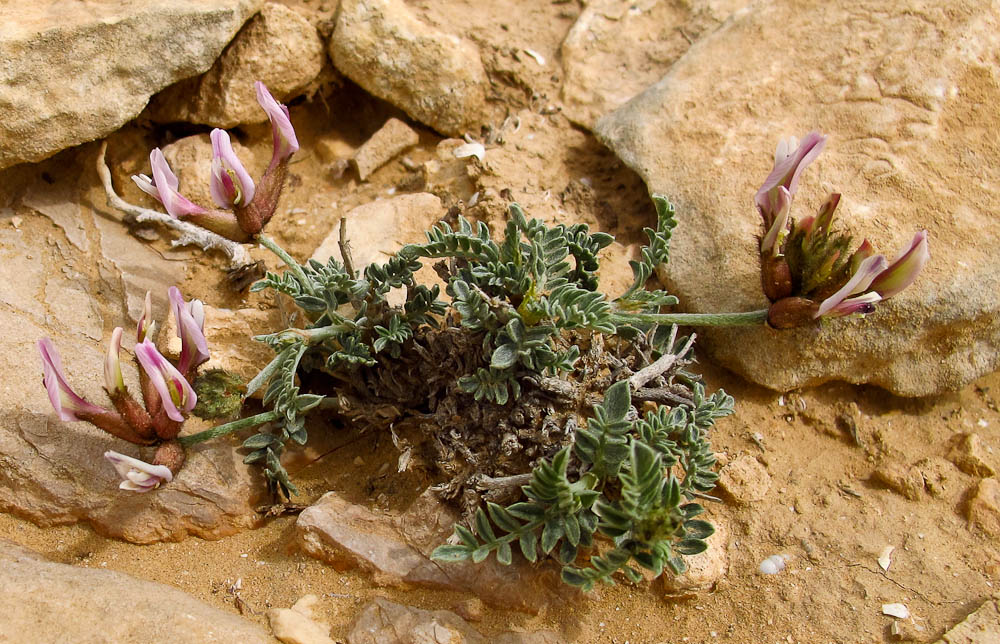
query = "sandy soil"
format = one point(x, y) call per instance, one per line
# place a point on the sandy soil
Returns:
point(822, 508)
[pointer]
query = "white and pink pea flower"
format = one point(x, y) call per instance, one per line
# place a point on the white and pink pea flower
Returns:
point(68, 404)
point(190, 319)
point(285, 142)
point(138, 476)
point(230, 183)
point(176, 394)
point(163, 187)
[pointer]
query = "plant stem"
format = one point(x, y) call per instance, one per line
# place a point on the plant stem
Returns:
point(749, 318)
point(228, 428)
point(269, 244)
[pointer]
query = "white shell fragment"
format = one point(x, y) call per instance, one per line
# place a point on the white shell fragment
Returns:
point(773, 565)
point(471, 150)
point(884, 559)
point(538, 57)
point(896, 610)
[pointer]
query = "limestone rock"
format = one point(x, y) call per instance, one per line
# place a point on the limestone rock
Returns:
point(745, 480)
point(984, 506)
point(378, 229)
point(970, 456)
point(395, 551)
point(75, 72)
point(705, 569)
point(896, 88)
point(386, 622)
point(45, 601)
point(981, 627)
point(230, 339)
point(278, 47)
point(383, 146)
point(611, 37)
point(908, 482)
point(296, 625)
point(434, 77)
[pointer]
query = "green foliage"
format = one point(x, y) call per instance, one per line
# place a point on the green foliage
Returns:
point(602, 498)
point(625, 492)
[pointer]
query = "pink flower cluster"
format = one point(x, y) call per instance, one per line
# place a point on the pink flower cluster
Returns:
point(806, 270)
point(167, 395)
point(251, 205)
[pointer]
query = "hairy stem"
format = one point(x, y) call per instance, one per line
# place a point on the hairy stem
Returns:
point(269, 244)
point(228, 428)
point(749, 318)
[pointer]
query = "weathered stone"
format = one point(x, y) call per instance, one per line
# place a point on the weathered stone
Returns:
point(898, 89)
point(906, 481)
point(980, 627)
point(296, 625)
point(617, 48)
point(60, 204)
point(745, 480)
point(230, 336)
point(378, 229)
point(395, 550)
point(386, 622)
point(983, 509)
point(45, 601)
point(73, 72)
point(434, 77)
point(705, 569)
point(383, 146)
point(970, 456)
point(278, 47)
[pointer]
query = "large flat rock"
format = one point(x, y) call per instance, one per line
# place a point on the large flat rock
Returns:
point(44, 602)
point(900, 89)
point(73, 72)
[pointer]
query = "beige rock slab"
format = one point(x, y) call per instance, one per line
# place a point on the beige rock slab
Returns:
point(391, 139)
point(44, 602)
point(395, 551)
point(436, 78)
point(981, 627)
point(74, 72)
point(899, 87)
point(386, 622)
point(278, 47)
point(618, 48)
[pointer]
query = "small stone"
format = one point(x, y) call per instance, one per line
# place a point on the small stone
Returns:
point(295, 625)
point(745, 480)
point(436, 78)
point(704, 569)
point(392, 138)
point(470, 609)
point(984, 506)
point(896, 610)
point(16, 221)
point(278, 47)
point(905, 481)
point(970, 456)
point(905, 632)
